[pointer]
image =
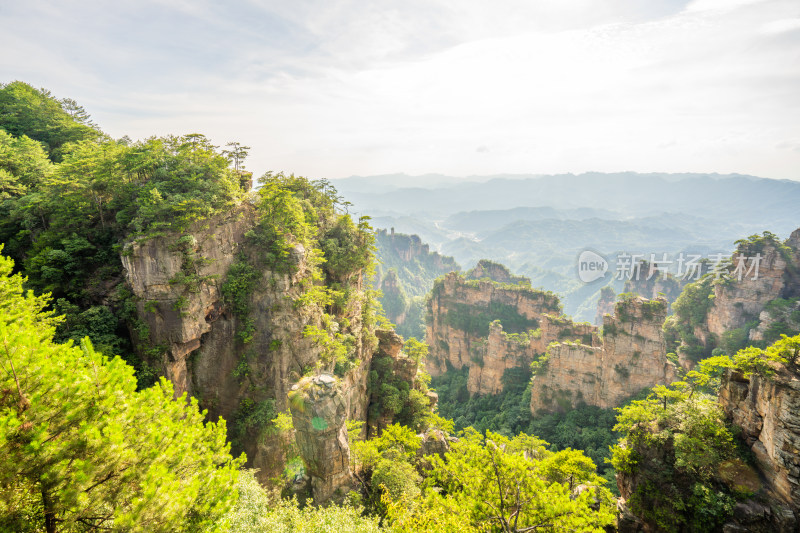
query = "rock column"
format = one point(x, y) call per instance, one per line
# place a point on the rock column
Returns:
point(319, 414)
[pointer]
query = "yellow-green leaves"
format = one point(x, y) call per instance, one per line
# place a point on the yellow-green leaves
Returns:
point(86, 447)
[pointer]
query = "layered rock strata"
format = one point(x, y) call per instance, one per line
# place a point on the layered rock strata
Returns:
point(768, 412)
point(631, 357)
point(492, 326)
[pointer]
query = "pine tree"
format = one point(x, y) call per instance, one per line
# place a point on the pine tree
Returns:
point(83, 450)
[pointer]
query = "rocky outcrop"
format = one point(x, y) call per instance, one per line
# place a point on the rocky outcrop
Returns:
point(631, 357)
point(738, 302)
point(727, 307)
point(174, 322)
point(486, 269)
point(503, 351)
point(393, 373)
point(605, 304)
point(393, 298)
point(391, 345)
point(491, 327)
point(414, 262)
point(187, 330)
point(778, 317)
point(652, 281)
point(319, 414)
point(768, 412)
point(405, 272)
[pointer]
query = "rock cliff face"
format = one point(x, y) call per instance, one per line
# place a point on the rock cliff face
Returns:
point(735, 307)
point(410, 247)
point(503, 351)
point(631, 356)
point(174, 326)
point(492, 326)
point(319, 412)
point(406, 271)
point(605, 304)
point(188, 330)
point(652, 283)
point(768, 412)
point(393, 298)
point(493, 271)
point(738, 302)
point(392, 367)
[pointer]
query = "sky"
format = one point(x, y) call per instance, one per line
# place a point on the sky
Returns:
point(334, 88)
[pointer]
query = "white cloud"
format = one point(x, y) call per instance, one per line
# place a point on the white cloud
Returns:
point(331, 89)
point(776, 27)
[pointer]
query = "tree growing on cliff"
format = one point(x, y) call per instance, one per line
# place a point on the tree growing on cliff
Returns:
point(675, 443)
point(83, 450)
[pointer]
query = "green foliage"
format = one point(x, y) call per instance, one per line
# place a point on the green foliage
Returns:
point(40, 116)
point(690, 310)
point(294, 210)
point(391, 395)
point(82, 448)
point(253, 416)
point(397, 479)
point(694, 302)
point(673, 444)
point(337, 348)
point(348, 248)
point(385, 464)
point(569, 467)
point(98, 322)
point(258, 511)
point(66, 223)
point(393, 299)
point(476, 320)
point(236, 290)
point(756, 244)
point(502, 484)
point(587, 428)
point(507, 413)
point(765, 362)
point(652, 308)
point(23, 163)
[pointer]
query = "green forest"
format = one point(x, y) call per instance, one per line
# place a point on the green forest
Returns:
point(93, 438)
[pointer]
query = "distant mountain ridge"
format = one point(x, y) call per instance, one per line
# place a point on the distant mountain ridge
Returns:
point(538, 224)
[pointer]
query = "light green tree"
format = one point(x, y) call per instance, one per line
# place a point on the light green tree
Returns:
point(83, 450)
point(501, 484)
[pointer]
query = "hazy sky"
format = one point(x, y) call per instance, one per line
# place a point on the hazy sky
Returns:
point(332, 88)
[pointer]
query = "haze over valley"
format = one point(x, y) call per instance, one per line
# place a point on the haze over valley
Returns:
point(538, 225)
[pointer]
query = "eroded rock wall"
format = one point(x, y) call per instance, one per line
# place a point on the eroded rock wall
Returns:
point(740, 296)
point(738, 302)
point(631, 356)
point(768, 412)
point(187, 330)
point(471, 324)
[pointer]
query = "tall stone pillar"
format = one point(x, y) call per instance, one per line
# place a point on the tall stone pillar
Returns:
point(319, 414)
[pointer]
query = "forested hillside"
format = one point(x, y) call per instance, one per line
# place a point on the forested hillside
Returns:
point(405, 272)
point(156, 314)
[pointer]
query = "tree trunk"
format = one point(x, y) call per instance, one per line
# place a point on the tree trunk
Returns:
point(49, 512)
